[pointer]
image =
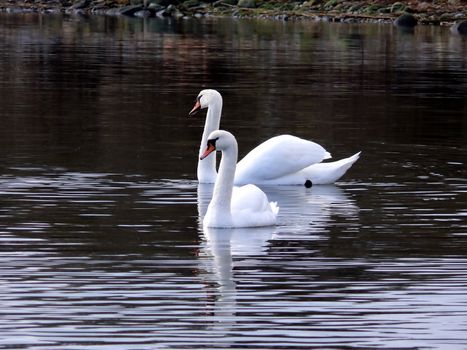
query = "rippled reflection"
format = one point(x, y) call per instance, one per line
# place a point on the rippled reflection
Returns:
point(264, 272)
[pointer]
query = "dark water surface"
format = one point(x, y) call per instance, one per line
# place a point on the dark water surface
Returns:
point(100, 243)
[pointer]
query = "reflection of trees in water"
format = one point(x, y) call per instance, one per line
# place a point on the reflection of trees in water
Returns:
point(50, 85)
point(106, 86)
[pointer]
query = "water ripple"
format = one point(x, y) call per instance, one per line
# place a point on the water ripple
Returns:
point(262, 287)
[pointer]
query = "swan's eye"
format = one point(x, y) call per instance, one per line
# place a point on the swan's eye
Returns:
point(198, 99)
point(212, 142)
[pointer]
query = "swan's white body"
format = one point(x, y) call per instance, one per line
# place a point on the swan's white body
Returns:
point(230, 207)
point(281, 160)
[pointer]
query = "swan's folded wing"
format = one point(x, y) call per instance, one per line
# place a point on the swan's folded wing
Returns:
point(250, 207)
point(277, 157)
point(249, 197)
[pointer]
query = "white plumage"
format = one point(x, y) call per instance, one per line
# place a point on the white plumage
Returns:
point(281, 160)
point(230, 207)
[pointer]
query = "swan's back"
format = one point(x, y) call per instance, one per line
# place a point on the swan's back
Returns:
point(250, 207)
point(279, 156)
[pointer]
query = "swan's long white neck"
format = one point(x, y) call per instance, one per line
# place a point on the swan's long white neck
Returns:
point(222, 194)
point(207, 167)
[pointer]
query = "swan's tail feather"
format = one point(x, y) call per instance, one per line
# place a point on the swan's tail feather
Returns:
point(328, 173)
point(354, 158)
point(274, 208)
point(327, 155)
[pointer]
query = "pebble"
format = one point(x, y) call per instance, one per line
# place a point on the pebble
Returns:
point(459, 28)
point(406, 20)
point(206, 8)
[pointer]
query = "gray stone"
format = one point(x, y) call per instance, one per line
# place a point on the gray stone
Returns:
point(142, 13)
point(53, 11)
point(155, 7)
point(406, 20)
point(113, 12)
point(162, 13)
point(177, 14)
point(79, 12)
point(165, 3)
point(459, 28)
point(80, 5)
point(130, 10)
point(247, 3)
point(445, 17)
point(384, 10)
point(99, 11)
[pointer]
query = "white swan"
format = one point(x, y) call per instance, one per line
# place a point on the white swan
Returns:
point(281, 160)
point(245, 206)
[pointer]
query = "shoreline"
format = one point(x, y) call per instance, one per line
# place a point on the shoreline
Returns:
point(442, 12)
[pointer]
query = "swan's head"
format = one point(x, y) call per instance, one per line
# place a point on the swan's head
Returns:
point(205, 99)
point(219, 140)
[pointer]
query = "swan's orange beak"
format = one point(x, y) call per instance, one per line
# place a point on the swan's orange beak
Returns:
point(195, 109)
point(211, 148)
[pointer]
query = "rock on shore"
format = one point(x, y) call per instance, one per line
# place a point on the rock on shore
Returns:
point(440, 12)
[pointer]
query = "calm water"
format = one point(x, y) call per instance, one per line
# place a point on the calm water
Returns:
point(100, 242)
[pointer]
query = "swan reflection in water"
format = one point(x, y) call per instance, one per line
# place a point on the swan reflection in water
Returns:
point(301, 209)
point(303, 212)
